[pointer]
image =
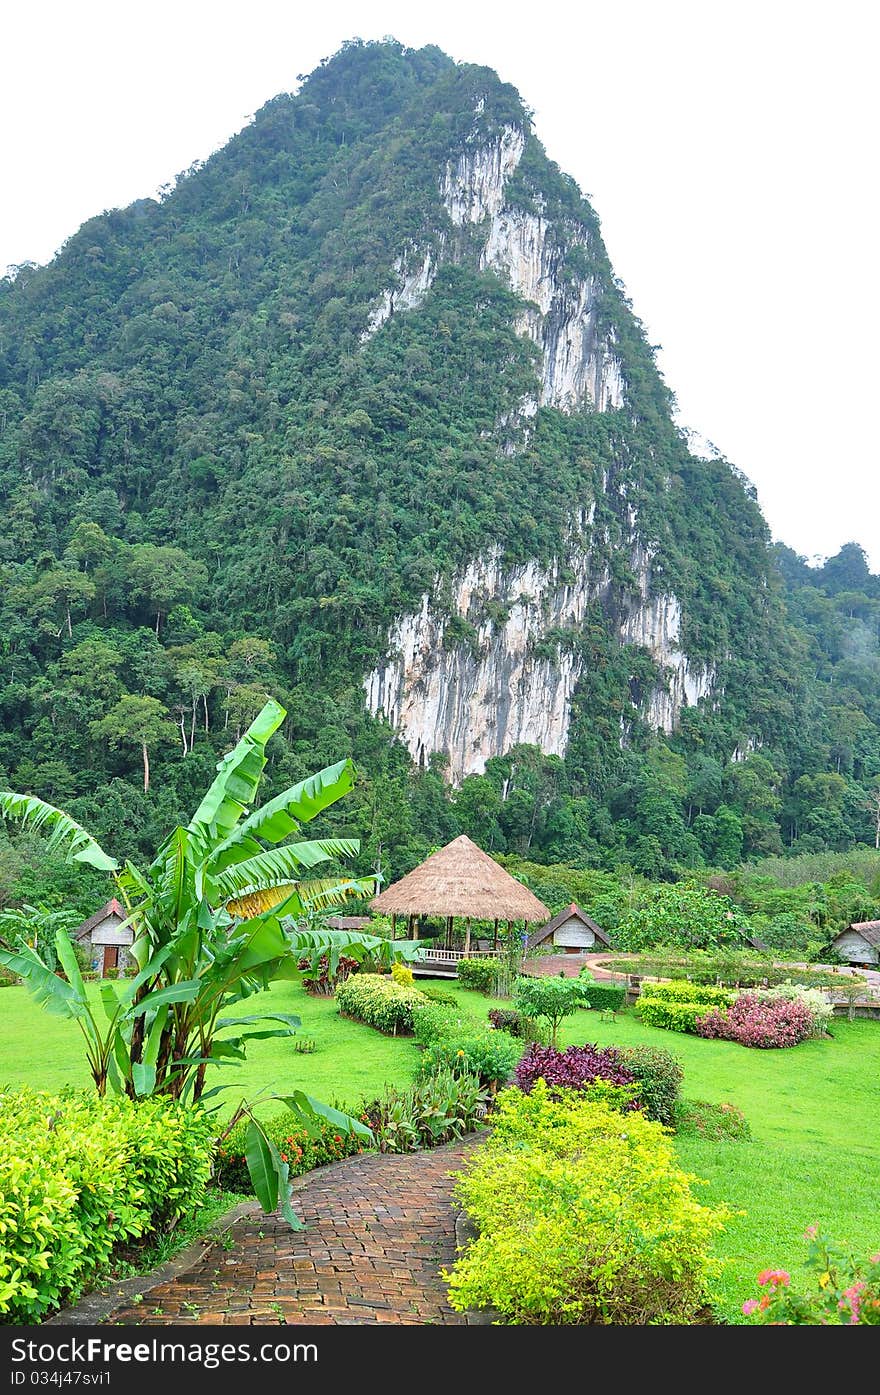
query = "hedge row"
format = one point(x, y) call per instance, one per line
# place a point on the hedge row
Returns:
point(78, 1176)
point(380, 1002)
point(604, 996)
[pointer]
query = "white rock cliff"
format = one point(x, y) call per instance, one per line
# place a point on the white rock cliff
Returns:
point(477, 698)
point(578, 362)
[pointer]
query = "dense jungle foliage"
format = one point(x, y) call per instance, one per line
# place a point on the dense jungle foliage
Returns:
point(214, 488)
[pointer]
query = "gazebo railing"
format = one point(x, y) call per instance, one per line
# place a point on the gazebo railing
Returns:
point(446, 956)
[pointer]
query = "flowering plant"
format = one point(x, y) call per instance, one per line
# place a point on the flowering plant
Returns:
point(847, 1293)
point(753, 1021)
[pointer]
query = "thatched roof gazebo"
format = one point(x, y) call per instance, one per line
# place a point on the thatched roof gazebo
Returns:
point(459, 882)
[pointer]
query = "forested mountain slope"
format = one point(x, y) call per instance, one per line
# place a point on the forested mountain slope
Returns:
point(357, 413)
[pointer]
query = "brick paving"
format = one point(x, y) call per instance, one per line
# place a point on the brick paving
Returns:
point(380, 1228)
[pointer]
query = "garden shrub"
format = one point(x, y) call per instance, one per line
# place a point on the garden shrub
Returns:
point(479, 974)
point(580, 1221)
point(814, 999)
point(669, 1015)
point(490, 1055)
point(318, 981)
point(81, 1174)
point(432, 1021)
point(682, 991)
point(440, 1107)
point(658, 1075)
point(301, 1148)
point(767, 1024)
point(402, 974)
point(508, 1020)
point(576, 1068)
point(607, 996)
point(380, 1002)
point(708, 1120)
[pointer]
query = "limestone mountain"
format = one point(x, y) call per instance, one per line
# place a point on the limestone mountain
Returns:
point(358, 411)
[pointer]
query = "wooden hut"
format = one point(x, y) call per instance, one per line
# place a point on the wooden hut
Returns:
point(859, 944)
point(572, 930)
point(458, 883)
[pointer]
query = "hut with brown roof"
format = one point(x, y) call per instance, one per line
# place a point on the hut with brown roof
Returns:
point(859, 943)
point(107, 936)
point(459, 882)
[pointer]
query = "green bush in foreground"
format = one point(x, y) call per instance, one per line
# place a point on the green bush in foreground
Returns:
point(78, 1176)
point(581, 1221)
point(380, 1002)
point(438, 1108)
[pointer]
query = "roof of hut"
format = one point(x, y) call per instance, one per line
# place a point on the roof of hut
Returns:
point(110, 908)
point(460, 880)
point(868, 929)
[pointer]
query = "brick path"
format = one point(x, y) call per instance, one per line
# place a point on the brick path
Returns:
point(380, 1227)
point(571, 965)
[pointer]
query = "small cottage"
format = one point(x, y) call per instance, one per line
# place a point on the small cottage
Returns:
point(859, 943)
point(573, 931)
point(107, 936)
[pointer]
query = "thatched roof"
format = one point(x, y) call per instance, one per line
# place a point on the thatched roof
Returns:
point(460, 880)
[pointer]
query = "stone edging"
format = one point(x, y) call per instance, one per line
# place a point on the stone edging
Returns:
point(95, 1307)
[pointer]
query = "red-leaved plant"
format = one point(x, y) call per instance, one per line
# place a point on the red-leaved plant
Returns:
point(576, 1068)
point(759, 1022)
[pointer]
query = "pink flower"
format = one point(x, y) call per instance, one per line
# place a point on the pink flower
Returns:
point(774, 1276)
point(875, 1259)
point(750, 1306)
point(811, 1232)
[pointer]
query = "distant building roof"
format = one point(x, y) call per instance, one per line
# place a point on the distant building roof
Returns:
point(348, 922)
point(756, 943)
point(111, 907)
point(572, 911)
point(868, 929)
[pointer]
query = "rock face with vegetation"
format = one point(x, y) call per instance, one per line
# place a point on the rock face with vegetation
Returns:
point(357, 412)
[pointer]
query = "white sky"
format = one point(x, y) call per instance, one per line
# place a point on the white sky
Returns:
point(729, 147)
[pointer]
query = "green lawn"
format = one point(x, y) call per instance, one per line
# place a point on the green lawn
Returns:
point(813, 1111)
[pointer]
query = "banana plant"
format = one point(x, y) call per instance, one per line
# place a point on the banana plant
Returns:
point(215, 918)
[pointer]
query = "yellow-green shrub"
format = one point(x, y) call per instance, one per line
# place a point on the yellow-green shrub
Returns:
point(78, 1175)
point(582, 1218)
point(678, 1006)
point(380, 1002)
point(402, 974)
